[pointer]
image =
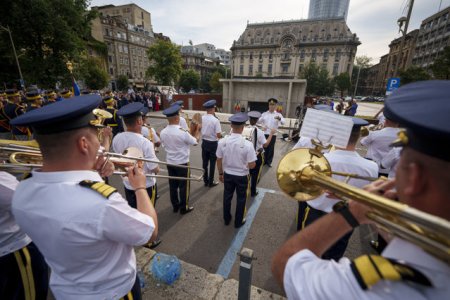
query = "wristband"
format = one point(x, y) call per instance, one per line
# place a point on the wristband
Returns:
point(342, 208)
point(140, 188)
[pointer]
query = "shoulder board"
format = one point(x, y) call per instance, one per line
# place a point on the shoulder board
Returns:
point(181, 128)
point(100, 187)
point(370, 269)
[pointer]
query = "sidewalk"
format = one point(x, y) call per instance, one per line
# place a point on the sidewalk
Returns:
point(194, 283)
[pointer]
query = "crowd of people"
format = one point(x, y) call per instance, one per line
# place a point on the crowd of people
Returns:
point(87, 230)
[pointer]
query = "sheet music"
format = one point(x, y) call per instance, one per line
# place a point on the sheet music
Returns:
point(327, 127)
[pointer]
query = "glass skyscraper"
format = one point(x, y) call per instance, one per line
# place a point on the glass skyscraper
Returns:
point(326, 9)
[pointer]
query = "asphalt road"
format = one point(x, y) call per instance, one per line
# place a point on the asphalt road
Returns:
point(201, 238)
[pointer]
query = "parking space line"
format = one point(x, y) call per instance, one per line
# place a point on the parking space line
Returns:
point(228, 260)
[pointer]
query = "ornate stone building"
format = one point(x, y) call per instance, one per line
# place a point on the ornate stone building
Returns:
point(282, 49)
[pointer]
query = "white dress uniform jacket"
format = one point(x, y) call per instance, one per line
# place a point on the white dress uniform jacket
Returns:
point(236, 153)
point(308, 277)
point(390, 161)
point(177, 141)
point(269, 122)
point(378, 142)
point(127, 139)
point(146, 133)
point(86, 239)
point(183, 123)
point(348, 162)
point(11, 237)
point(260, 138)
point(210, 127)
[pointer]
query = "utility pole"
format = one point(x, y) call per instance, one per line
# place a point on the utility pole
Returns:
point(22, 83)
point(403, 22)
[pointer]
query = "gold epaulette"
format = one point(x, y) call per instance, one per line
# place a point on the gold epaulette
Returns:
point(370, 269)
point(100, 187)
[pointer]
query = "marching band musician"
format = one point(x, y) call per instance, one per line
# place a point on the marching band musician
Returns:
point(150, 133)
point(377, 143)
point(66, 93)
point(23, 271)
point(211, 133)
point(404, 270)
point(176, 141)
point(34, 100)
point(270, 120)
point(132, 115)
point(80, 224)
point(235, 156)
point(259, 143)
point(115, 122)
point(341, 160)
point(50, 97)
point(183, 123)
point(13, 109)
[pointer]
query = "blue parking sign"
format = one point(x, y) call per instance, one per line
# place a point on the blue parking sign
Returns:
point(392, 85)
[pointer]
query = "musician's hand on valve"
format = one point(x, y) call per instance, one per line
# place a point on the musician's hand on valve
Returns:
point(136, 177)
point(103, 166)
point(383, 187)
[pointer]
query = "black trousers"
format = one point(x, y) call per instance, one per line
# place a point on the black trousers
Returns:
point(24, 274)
point(135, 293)
point(241, 185)
point(308, 215)
point(130, 195)
point(209, 149)
point(179, 189)
point(255, 173)
point(269, 151)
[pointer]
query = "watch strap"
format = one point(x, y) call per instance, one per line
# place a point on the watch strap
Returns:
point(342, 208)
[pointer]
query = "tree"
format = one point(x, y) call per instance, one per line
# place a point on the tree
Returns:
point(94, 74)
point(343, 82)
point(412, 74)
point(441, 65)
point(166, 62)
point(318, 82)
point(360, 72)
point(46, 34)
point(189, 79)
point(122, 82)
point(214, 82)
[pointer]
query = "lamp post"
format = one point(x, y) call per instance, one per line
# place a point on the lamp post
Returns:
point(69, 66)
point(403, 23)
point(22, 83)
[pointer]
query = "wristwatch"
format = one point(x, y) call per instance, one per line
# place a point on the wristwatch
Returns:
point(342, 208)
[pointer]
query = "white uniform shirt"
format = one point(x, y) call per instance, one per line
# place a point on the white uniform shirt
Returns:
point(146, 133)
point(11, 237)
point(308, 277)
point(183, 123)
point(236, 153)
point(378, 142)
point(210, 127)
point(303, 142)
point(348, 162)
point(268, 121)
point(86, 239)
point(127, 139)
point(260, 138)
point(390, 161)
point(177, 141)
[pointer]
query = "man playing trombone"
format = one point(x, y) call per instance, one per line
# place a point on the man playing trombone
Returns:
point(414, 265)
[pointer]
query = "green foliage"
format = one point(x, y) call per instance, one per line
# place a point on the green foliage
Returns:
point(412, 74)
point(318, 82)
point(214, 82)
point(46, 34)
point(94, 74)
point(342, 82)
point(441, 65)
point(204, 83)
point(189, 79)
point(122, 82)
point(166, 62)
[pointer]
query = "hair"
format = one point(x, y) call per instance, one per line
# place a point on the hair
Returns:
point(354, 135)
point(131, 120)
point(237, 127)
point(253, 121)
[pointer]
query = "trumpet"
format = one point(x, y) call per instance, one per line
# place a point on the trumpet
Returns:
point(22, 159)
point(304, 174)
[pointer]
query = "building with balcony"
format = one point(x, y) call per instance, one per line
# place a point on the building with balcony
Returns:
point(196, 58)
point(326, 9)
point(283, 49)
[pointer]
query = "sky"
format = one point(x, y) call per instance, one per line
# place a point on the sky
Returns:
point(220, 22)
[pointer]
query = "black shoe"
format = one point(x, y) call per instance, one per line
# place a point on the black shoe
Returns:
point(254, 194)
point(214, 183)
point(153, 245)
point(175, 209)
point(206, 184)
point(186, 211)
point(240, 225)
point(269, 165)
point(227, 222)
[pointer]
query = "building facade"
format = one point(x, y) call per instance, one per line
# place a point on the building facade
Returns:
point(198, 60)
point(326, 9)
point(127, 32)
point(433, 37)
point(283, 49)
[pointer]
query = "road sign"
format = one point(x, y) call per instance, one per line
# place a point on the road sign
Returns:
point(392, 85)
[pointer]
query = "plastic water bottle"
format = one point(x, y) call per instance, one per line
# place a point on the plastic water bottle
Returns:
point(141, 277)
point(165, 268)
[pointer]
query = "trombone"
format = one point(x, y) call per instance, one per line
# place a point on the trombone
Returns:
point(22, 159)
point(304, 174)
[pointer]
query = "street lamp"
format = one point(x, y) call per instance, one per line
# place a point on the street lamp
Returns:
point(403, 23)
point(22, 83)
point(69, 66)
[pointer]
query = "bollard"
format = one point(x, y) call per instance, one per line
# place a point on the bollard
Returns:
point(245, 274)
